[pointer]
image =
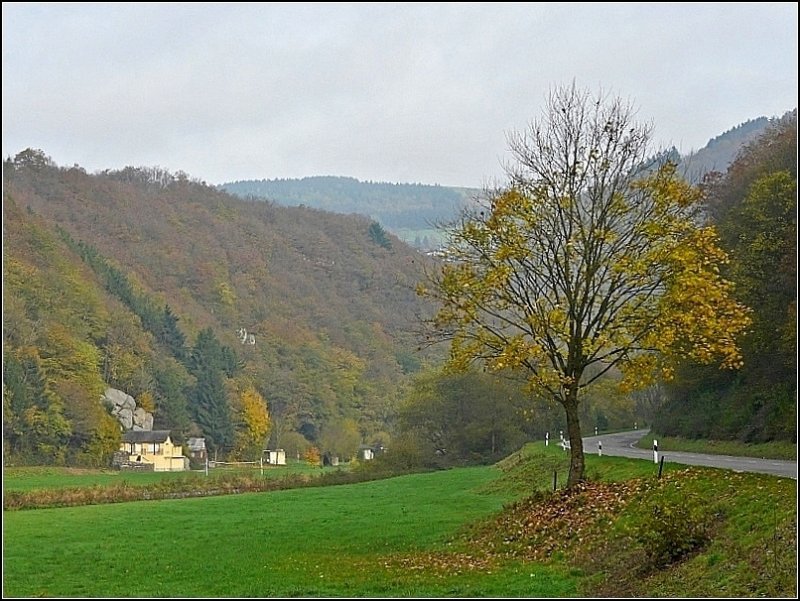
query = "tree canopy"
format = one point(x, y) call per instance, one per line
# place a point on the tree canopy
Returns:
point(589, 259)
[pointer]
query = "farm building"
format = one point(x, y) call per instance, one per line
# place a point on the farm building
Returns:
point(153, 447)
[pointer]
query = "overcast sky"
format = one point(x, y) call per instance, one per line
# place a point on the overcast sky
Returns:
point(391, 92)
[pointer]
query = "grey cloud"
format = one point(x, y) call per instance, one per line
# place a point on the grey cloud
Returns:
point(399, 92)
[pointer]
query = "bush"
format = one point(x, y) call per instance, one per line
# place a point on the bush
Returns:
point(312, 457)
point(404, 455)
point(672, 529)
point(294, 443)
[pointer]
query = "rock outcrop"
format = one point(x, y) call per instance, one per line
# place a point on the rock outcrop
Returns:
point(123, 407)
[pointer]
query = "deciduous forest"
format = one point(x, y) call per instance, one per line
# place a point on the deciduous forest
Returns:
point(256, 325)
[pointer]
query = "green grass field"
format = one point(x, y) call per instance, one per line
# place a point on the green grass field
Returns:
point(331, 541)
point(33, 478)
point(438, 534)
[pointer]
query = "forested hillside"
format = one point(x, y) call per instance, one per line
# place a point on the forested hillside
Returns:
point(721, 151)
point(401, 208)
point(240, 320)
point(143, 280)
point(754, 206)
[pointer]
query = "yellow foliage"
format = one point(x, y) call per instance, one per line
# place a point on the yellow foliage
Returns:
point(543, 285)
point(66, 357)
point(255, 424)
point(225, 294)
point(104, 442)
point(312, 456)
point(254, 412)
point(146, 401)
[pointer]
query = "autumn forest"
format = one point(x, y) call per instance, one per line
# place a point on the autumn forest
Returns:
point(256, 325)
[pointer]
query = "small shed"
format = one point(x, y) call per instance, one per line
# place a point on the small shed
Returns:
point(276, 457)
point(366, 453)
point(197, 448)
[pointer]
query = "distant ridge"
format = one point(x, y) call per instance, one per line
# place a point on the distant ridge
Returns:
point(395, 206)
point(721, 151)
point(411, 210)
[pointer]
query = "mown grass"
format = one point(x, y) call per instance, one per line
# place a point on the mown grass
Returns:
point(477, 532)
point(765, 450)
point(333, 541)
point(47, 477)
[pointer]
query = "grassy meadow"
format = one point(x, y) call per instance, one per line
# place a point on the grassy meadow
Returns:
point(36, 478)
point(478, 531)
point(332, 541)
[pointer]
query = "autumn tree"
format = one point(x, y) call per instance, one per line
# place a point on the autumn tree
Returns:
point(95, 434)
point(589, 259)
point(34, 424)
point(765, 264)
point(253, 424)
point(340, 438)
point(312, 456)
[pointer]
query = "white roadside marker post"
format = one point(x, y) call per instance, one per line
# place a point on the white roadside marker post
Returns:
point(600, 448)
point(547, 439)
point(655, 451)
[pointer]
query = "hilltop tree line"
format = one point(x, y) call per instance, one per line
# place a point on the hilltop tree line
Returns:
point(721, 151)
point(395, 206)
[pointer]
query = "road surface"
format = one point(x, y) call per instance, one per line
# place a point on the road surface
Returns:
point(623, 444)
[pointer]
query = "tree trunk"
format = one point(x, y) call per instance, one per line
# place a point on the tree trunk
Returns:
point(577, 467)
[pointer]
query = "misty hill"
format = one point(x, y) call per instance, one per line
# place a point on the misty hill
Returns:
point(142, 280)
point(721, 151)
point(412, 210)
point(398, 207)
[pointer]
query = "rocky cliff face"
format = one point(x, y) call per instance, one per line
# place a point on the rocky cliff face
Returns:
point(123, 407)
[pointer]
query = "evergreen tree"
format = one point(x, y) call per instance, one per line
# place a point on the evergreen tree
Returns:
point(208, 363)
point(170, 335)
point(379, 236)
point(172, 405)
point(211, 412)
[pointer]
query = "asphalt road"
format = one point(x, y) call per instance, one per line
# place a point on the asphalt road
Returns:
point(623, 444)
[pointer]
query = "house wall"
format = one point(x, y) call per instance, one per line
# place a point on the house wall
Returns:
point(165, 456)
